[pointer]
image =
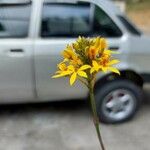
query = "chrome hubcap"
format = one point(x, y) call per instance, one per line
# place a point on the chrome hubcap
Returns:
point(118, 104)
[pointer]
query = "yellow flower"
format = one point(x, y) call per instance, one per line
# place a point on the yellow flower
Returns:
point(104, 63)
point(92, 53)
point(97, 48)
point(68, 53)
point(77, 72)
point(76, 62)
point(96, 67)
point(100, 44)
point(86, 54)
point(63, 71)
point(71, 56)
point(71, 71)
point(103, 44)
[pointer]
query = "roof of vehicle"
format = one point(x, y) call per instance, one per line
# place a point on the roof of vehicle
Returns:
point(105, 4)
point(14, 1)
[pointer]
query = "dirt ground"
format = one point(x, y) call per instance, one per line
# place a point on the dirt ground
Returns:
point(139, 13)
point(141, 18)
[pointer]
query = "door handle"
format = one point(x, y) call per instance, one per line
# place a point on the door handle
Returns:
point(16, 50)
point(114, 48)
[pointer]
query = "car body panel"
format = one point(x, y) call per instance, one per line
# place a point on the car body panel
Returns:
point(16, 70)
point(26, 77)
point(47, 56)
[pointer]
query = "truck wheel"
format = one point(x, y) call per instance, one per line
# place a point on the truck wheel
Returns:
point(118, 101)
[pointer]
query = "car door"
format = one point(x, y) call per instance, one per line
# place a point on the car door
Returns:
point(62, 23)
point(16, 50)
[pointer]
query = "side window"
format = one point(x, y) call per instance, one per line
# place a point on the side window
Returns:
point(104, 25)
point(72, 20)
point(60, 20)
point(14, 20)
point(129, 26)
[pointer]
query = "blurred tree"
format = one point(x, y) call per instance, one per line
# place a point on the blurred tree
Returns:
point(135, 1)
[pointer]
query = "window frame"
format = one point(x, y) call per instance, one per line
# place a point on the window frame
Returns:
point(129, 26)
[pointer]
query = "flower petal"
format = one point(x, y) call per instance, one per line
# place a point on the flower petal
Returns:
point(62, 66)
point(82, 74)
point(58, 76)
point(62, 74)
point(111, 52)
point(71, 67)
point(84, 67)
point(92, 70)
point(103, 43)
point(104, 69)
point(112, 62)
point(115, 70)
point(73, 78)
point(95, 65)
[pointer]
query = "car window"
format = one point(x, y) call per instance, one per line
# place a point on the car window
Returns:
point(129, 26)
point(60, 20)
point(72, 20)
point(14, 20)
point(104, 25)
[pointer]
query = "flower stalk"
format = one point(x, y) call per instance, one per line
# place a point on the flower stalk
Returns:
point(83, 60)
point(95, 115)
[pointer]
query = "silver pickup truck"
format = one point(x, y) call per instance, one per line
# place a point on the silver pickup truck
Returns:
point(32, 35)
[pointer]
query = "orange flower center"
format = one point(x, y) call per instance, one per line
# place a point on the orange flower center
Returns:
point(105, 60)
point(92, 53)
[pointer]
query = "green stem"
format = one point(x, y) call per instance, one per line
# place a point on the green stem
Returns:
point(95, 115)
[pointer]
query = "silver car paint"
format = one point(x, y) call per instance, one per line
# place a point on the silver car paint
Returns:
point(27, 76)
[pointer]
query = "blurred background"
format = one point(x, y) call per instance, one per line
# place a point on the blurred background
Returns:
point(68, 125)
point(138, 11)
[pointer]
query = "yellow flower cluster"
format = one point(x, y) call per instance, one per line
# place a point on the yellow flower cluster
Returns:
point(85, 58)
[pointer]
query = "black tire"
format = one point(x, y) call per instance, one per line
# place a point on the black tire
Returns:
point(105, 90)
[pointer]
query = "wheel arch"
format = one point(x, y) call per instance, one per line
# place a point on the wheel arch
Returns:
point(124, 74)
